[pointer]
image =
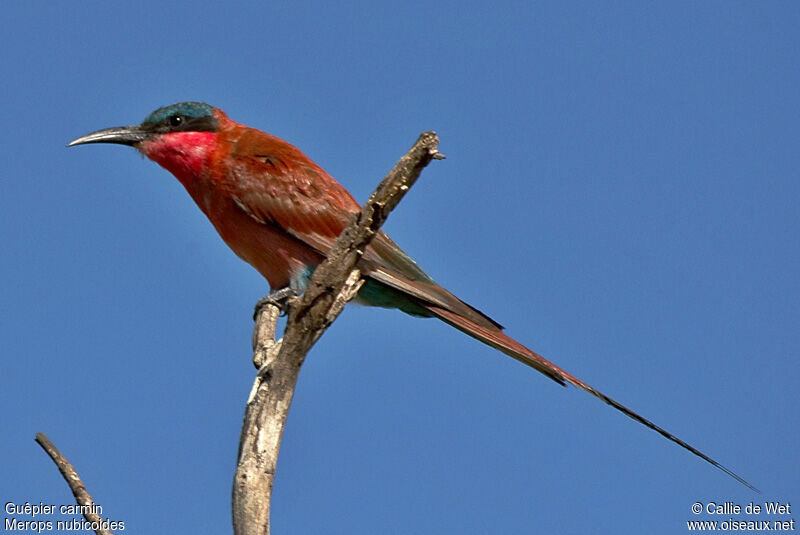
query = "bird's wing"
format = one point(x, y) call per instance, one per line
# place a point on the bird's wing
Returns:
point(275, 183)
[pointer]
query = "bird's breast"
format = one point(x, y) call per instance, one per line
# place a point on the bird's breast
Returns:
point(272, 251)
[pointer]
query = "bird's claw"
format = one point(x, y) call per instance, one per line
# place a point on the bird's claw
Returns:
point(278, 298)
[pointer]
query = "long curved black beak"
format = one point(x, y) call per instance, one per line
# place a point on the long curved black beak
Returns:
point(122, 135)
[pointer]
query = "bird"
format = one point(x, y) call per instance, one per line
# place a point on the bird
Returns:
point(281, 213)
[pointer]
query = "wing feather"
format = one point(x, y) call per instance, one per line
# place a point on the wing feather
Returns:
point(274, 182)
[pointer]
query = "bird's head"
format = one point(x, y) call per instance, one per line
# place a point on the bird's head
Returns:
point(178, 137)
point(180, 117)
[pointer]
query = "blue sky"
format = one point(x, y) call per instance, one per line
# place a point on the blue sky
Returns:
point(621, 192)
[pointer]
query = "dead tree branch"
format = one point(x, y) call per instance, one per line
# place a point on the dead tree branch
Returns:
point(82, 496)
point(334, 282)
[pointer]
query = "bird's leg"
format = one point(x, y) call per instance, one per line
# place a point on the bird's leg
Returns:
point(279, 298)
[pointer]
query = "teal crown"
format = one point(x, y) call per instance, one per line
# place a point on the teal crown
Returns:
point(194, 110)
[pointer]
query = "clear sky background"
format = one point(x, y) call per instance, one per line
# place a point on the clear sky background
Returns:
point(620, 191)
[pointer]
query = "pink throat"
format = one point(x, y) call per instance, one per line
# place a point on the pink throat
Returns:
point(184, 154)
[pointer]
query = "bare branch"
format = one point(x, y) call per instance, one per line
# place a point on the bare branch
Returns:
point(334, 282)
point(82, 496)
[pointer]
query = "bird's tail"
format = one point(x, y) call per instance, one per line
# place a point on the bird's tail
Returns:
point(496, 338)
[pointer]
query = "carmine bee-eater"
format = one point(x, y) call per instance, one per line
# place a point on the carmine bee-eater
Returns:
point(281, 213)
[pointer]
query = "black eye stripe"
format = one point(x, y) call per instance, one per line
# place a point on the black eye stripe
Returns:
point(182, 123)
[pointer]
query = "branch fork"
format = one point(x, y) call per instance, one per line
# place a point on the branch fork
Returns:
point(334, 282)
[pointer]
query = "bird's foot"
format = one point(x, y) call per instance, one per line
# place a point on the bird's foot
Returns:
point(279, 298)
